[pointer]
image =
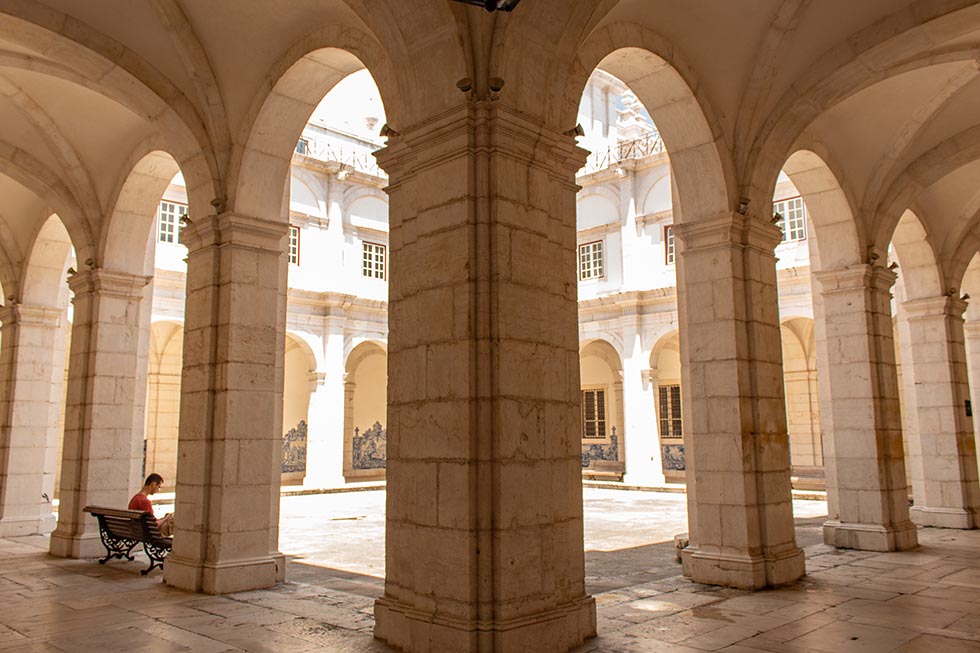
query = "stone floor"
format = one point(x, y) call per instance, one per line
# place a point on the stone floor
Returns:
point(927, 600)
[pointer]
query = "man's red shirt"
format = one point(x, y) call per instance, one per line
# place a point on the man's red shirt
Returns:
point(140, 502)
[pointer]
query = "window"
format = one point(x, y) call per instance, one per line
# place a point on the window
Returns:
point(670, 412)
point(302, 146)
point(593, 414)
point(590, 264)
point(169, 218)
point(793, 223)
point(373, 261)
point(294, 245)
point(669, 244)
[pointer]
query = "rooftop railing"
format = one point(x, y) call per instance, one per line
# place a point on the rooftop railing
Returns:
point(350, 155)
point(637, 148)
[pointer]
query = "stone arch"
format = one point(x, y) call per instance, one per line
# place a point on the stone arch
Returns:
point(896, 44)
point(33, 175)
point(601, 367)
point(829, 209)
point(918, 267)
point(657, 72)
point(163, 396)
point(299, 382)
point(596, 207)
point(47, 261)
point(74, 51)
point(923, 172)
point(364, 398)
point(801, 395)
point(653, 196)
point(127, 241)
point(668, 339)
point(297, 82)
point(310, 196)
point(11, 263)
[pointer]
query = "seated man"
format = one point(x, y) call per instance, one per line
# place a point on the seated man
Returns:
point(141, 501)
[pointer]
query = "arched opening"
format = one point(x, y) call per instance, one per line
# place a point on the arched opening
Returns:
point(163, 398)
point(601, 370)
point(802, 411)
point(365, 412)
point(665, 367)
point(35, 325)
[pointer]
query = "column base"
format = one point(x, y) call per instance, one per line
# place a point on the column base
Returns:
point(414, 631)
point(963, 518)
point(224, 577)
point(20, 526)
point(84, 545)
point(743, 571)
point(870, 537)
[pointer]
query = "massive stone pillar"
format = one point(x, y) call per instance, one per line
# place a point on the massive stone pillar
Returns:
point(104, 419)
point(325, 447)
point(737, 453)
point(867, 496)
point(942, 449)
point(230, 445)
point(484, 542)
point(31, 374)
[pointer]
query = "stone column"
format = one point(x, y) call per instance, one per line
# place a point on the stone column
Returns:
point(104, 418)
point(942, 449)
point(230, 445)
point(484, 543)
point(324, 459)
point(30, 408)
point(971, 334)
point(324, 466)
point(737, 448)
point(644, 465)
point(859, 412)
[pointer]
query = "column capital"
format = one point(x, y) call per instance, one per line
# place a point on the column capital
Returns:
point(730, 228)
point(316, 379)
point(30, 314)
point(108, 282)
point(235, 229)
point(855, 277)
point(480, 126)
point(927, 307)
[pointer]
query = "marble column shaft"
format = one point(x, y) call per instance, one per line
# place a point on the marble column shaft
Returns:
point(104, 418)
point(737, 447)
point(484, 543)
point(230, 442)
point(867, 495)
point(942, 454)
point(30, 407)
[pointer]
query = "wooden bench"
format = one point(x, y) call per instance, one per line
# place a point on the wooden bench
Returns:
point(122, 530)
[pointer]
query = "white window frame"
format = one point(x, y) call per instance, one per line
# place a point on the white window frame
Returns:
point(293, 249)
point(792, 211)
point(374, 260)
point(670, 247)
point(591, 260)
point(596, 398)
point(168, 221)
point(669, 412)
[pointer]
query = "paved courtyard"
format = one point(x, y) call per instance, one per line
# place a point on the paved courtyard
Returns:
point(927, 600)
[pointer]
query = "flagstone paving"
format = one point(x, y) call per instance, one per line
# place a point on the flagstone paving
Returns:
point(924, 600)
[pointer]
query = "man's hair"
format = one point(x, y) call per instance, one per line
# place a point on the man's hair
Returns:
point(153, 478)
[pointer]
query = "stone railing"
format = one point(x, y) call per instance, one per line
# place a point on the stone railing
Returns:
point(637, 148)
point(352, 157)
